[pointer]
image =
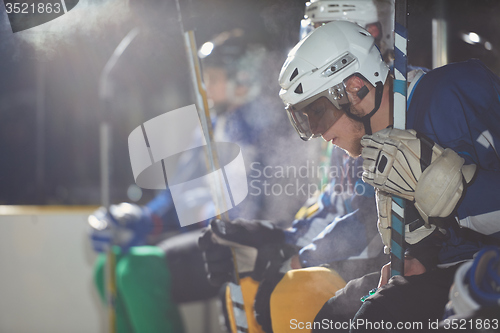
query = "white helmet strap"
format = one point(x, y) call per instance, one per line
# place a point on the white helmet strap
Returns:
point(379, 89)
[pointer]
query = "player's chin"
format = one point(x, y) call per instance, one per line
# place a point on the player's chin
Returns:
point(353, 150)
point(352, 154)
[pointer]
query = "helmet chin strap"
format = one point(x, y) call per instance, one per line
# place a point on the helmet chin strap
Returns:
point(379, 89)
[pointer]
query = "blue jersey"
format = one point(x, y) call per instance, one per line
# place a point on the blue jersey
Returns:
point(458, 106)
point(350, 236)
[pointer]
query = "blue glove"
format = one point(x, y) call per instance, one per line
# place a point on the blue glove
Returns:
point(125, 225)
point(476, 284)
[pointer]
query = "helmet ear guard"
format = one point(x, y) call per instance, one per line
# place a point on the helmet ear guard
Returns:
point(362, 92)
point(379, 91)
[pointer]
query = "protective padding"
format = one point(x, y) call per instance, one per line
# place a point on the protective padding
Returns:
point(300, 295)
point(144, 302)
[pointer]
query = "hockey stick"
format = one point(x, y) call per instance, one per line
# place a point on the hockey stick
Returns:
point(239, 315)
point(400, 99)
point(105, 95)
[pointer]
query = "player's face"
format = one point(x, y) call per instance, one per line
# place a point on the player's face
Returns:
point(216, 84)
point(346, 133)
point(374, 30)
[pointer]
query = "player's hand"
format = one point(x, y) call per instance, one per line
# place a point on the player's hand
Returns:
point(384, 223)
point(219, 263)
point(413, 234)
point(125, 225)
point(259, 247)
point(412, 267)
point(415, 168)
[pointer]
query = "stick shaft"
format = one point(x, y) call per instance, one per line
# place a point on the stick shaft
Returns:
point(400, 100)
point(105, 142)
point(240, 321)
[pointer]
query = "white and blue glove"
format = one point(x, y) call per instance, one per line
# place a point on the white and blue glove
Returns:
point(476, 285)
point(125, 225)
point(413, 167)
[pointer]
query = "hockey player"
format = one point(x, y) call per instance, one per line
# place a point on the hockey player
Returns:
point(152, 279)
point(350, 244)
point(373, 15)
point(335, 85)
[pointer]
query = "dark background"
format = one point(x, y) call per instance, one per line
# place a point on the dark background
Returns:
point(49, 106)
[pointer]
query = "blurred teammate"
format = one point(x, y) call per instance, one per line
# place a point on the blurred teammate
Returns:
point(151, 280)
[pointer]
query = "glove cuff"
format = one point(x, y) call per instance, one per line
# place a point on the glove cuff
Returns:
point(427, 250)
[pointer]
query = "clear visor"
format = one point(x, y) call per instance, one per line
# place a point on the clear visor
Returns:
point(315, 115)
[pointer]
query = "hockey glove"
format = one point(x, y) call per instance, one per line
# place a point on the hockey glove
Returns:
point(415, 168)
point(476, 286)
point(384, 218)
point(125, 225)
point(218, 258)
point(413, 234)
point(259, 246)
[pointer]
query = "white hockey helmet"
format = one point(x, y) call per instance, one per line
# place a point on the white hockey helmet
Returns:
point(317, 67)
point(318, 12)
